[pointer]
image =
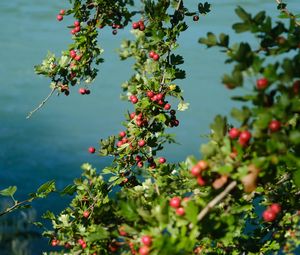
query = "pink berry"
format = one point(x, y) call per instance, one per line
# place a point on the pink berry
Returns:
point(200, 181)
point(138, 158)
point(92, 150)
point(119, 143)
point(262, 83)
point(72, 53)
point(82, 91)
point(175, 202)
point(244, 137)
point(167, 107)
point(141, 143)
point(144, 250)
point(162, 160)
point(196, 171)
point(62, 12)
point(135, 25)
point(77, 58)
point(156, 57)
point(59, 17)
point(180, 211)
point(77, 29)
point(150, 94)
point(140, 164)
point(133, 99)
point(269, 215)
point(151, 54)
point(86, 214)
point(234, 133)
point(274, 125)
point(76, 23)
point(147, 240)
point(276, 208)
point(122, 134)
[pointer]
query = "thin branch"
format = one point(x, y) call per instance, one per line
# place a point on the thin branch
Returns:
point(216, 200)
point(15, 206)
point(42, 103)
point(287, 12)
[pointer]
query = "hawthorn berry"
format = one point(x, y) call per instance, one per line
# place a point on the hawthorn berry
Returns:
point(132, 115)
point(244, 137)
point(77, 57)
point(195, 171)
point(62, 12)
point(234, 133)
point(119, 143)
point(133, 99)
point(195, 18)
point(162, 160)
point(269, 215)
point(80, 241)
point(72, 53)
point(122, 231)
point(86, 214)
point(147, 240)
point(140, 164)
point(59, 17)
point(156, 57)
point(202, 164)
point(276, 208)
point(159, 96)
point(141, 143)
point(175, 202)
point(167, 107)
point(82, 91)
point(180, 211)
point(54, 242)
point(142, 28)
point(83, 246)
point(151, 54)
point(274, 125)
point(135, 25)
point(262, 83)
point(122, 134)
point(200, 181)
point(150, 94)
point(76, 23)
point(77, 29)
point(92, 150)
point(138, 158)
point(144, 250)
point(296, 87)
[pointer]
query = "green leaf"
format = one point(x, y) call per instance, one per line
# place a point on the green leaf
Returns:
point(45, 189)
point(245, 16)
point(191, 212)
point(296, 177)
point(69, 190)
point(219, 127)
point(8, 192)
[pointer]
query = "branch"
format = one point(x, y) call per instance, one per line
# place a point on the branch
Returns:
point(287, 12)
point(15, 206)
point(216, 200)
point(42, 103)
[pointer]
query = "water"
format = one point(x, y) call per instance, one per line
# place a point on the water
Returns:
point(53, 143)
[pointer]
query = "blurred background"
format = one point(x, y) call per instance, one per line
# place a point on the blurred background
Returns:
point(53, 143)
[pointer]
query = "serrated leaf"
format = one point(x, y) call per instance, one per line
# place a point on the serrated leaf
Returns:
point(8, 192)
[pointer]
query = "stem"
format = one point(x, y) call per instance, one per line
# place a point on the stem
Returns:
point(216, 200)
point(287, 12)
point(41, 104)
point(15, 206)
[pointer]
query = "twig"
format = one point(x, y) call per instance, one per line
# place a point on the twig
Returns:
point(287, 12)
point(15, 206)
point(216, 200)
point(42, 103)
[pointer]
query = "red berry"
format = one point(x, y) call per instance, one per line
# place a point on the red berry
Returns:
point(175, 202)
point(72, 53)
point(54, 242)
point(92, 150)
point(200, 181)
point(62, 12)
point(144, 250)
point(162, 160)
point(195, 171)
point(83, 245)
point(274, 125)
point(122, 231)
point(73, 32)
point(77, 29)
point(76, 23)
point(82, 91)
point(196, 18)
point(180, 211)
point(138, 158)
point(151, 54)
point(146, 240)
point(141, 23)
point(135, 25)
point(133, 99)
point(122, 134)
point(77, 58)
point(156, 57)
point(276, 208)
point(269, 215)
point(86, 214)
point(160, 96)
point(142, 27)
point(119, 143)
point(132, 115)
point(262, 83)
point(59, 17)
point(296, 87)
point(244, 137)
point(202, 164)
point(150, 94)
point(234, 133)
point(81, 241)
point(141, 143)
point(140, 164)
point(167, 107)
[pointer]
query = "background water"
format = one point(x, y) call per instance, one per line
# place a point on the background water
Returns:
point(53, 143)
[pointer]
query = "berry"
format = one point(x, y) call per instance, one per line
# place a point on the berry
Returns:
point(196, 18)
point(175, 202)
point(135, 25)
point(244, 137)
point(72, 53)
point(160, 96)
point(133, 99)
point(146, 240)
point(156, 57)
point(167, 107)
point(274, 125)
point(141, 143)
point(77, 58)
point(86, 214)
point(54, 242)
point(73, 32)
point(172, 112)
point(180, 211)
point(81, 241)
point(83, 246)
point(115, 31)
point(262, 83)
point(144, 250)
point(234, 133)
point(269, 215)
point(92, 150)
point(76, 23)
point(176, 123)
point(82, 91)
point(138, 158)
point(142, 27)
point(59, 17)
point(62, 12)
point(87, 91)
point(122, 231)
point(195, 171)
point(77, 29)
point(150, 94)
point(296, 87)
point(151, 54)
point(119, 143)
point(162, 160)
point(122, 134)
point(200, 181)
point(276, 208)
point(132, 115)
point(202, 164)
point(140, 164)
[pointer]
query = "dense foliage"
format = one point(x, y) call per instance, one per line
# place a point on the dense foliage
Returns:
point(241, 197)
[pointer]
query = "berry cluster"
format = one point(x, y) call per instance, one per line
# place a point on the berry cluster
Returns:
point(139, 25)
point(61, 14)
point(196, 171)
point(271, 212)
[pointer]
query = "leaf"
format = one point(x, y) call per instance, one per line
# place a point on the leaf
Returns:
point(45, 189)
point(69, 190)
point(218, 128)
point(210, 41)
point(191, 212)
point(8, 192)
point(182, 106)
point(99, 234)
point(296, 177)
point(176, 59)
point(242, 14)
point(240, 27)
point(204, 8)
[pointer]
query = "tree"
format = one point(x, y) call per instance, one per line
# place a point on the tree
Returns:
point(241, 197)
